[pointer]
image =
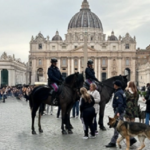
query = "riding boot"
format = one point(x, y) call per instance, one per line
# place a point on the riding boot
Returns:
point(54, 99)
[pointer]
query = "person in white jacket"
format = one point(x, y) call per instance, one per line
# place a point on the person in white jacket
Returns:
point(96, 96)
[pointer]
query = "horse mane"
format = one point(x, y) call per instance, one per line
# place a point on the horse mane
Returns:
point(69, 79)
point(80, 78)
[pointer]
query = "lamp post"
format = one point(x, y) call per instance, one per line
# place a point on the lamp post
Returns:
point(85, 51)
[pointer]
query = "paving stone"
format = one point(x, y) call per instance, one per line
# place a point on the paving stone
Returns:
point(15, 131)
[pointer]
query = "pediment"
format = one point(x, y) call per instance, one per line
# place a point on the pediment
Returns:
point(80, 49)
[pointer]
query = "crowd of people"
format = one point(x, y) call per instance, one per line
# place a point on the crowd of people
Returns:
point(15, 91)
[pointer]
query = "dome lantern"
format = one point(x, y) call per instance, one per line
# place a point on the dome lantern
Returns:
point(85, 4)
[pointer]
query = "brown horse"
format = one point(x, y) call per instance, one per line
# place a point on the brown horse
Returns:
point(67, 95)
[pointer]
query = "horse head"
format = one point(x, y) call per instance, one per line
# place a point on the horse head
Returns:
point(123, 80)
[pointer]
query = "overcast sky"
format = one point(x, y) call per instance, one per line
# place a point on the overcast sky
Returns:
point(20, 19)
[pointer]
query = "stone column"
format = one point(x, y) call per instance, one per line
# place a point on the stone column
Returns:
point(99, 69)
point(10, 78)
point(72, 66)
point(109, 68)
point(79, 65)
point(69, 65)
point(95, 65)
point(0, 78)
point(119, 66)
point(58, 65)
point(34, 71)
point(85, 51)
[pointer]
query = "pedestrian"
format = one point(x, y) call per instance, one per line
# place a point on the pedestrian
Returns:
point(96, 96)
point(132, 110)
point(87, 113)
point(75, 109)
point(147, 98)
point(119, 104)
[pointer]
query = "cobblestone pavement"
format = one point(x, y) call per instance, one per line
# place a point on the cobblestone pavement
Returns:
point(15, 131)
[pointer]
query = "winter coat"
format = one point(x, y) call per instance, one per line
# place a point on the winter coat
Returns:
point(147, 97)
point(85, 105)
point(54, 74)
point(96, 96)
point(90, 74)
point(131, 104)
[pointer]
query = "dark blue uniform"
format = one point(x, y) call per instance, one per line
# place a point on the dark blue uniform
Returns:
point(119, 101)
point(90, 74)
point(119, 104)
point(54, 74)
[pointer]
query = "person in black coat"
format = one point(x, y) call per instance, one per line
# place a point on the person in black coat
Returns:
point(55, 77)
point(147, 97)
point(90, 74)
point(87, 113)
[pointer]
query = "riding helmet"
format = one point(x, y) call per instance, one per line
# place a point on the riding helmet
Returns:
point(90, 62)
point(53, 60)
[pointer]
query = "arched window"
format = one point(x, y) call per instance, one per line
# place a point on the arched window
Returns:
point(40, 46)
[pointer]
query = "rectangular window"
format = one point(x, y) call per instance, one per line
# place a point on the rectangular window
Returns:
point(40, 62)
point(127, 62)
point(103, 62)
point(53, 47)
point(104, 76)
point(64, 62)
point(75, 46)
point(75, 62)
point(63, 47)
point(30, 63)
point(127, 46)
point(40, 46)
point(114, 47)
point(92, 47)
point(64, 75)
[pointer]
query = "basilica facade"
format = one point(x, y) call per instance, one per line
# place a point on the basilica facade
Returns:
point(111, 55)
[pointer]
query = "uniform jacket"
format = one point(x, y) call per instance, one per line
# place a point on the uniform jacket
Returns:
point(147, 97)
point(90, 74)
point(96, 96)
point(54, 74)
point(119, 101)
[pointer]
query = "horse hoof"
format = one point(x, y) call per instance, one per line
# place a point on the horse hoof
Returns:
point(40, 130)
point(64, 132)
point(103, 128)
point(33, 132)
point(70, 132)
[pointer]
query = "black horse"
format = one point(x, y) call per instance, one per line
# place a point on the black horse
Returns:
point(68, 93)
point(106, 89)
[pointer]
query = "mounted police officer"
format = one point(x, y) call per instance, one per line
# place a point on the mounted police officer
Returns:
point(55, 77)
point(90, 74)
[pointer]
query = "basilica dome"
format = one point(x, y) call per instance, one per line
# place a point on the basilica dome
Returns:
point(85, 18)
point(57, 37)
